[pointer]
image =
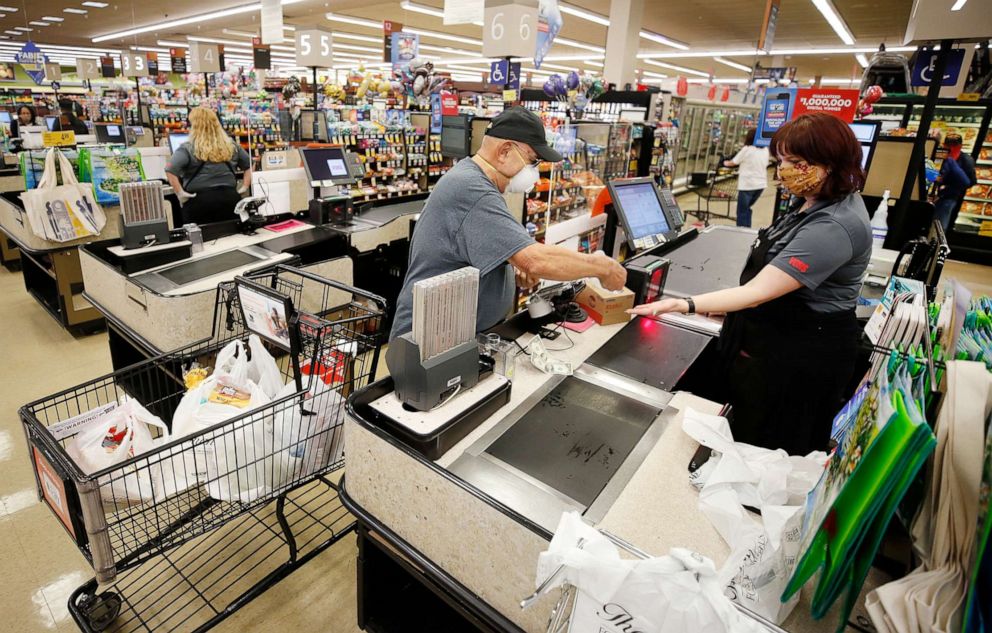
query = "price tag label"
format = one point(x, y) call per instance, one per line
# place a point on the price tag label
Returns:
point(204, 58)
point(87, 68)
point(969, 96)
point(134, 65)
point(313, 48)
point(58, 139)
point(509, 95)
point(510, 28)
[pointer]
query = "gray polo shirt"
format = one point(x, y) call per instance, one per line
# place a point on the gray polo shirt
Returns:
point(184, 163)
point(464, 223)
point(828, 254)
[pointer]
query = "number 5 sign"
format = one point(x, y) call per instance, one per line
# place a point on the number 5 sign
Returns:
point(509, 28)
point(313, 48)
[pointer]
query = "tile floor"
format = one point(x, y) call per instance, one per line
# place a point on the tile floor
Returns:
point(40, 566)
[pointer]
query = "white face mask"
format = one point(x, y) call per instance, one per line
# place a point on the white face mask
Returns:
point(524, 181)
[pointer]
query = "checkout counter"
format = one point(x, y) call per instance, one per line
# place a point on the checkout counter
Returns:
point(452, 515)
point(153, 307)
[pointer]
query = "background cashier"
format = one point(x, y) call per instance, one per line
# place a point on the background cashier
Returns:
point(790, 338)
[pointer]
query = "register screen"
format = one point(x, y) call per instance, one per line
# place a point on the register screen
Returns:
point(325, 163)
point(640, 205)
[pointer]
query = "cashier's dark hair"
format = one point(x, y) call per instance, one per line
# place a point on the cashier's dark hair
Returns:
point(824, 140)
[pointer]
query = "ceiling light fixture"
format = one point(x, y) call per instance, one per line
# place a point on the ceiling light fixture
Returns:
point(853, 50)
point(829, 11)
point(957, 6)
point(574, 44)
point(583, 14)
point(37, 23)
point(682, 69)
point(445, 49)
point(165, 26)
point(862, 60)
point(76, 11)
point(336, 17)
point(96, 5)
point(419, 8)
point(53, 19)
point(358, 38)
point(727, 62)
point(12, 32)
point(443, 36)
point(23, 28)
point(8, 9)
point(661, 39)
point(591, 63)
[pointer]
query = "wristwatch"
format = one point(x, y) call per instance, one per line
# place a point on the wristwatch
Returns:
point(692, 305)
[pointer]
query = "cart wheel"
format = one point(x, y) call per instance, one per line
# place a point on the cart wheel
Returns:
point(101, 610)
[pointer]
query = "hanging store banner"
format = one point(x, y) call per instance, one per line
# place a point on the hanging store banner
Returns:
point(107, 69)
point(775, 111)
point(152, 64)
point(449, 103)
point(177, 60)
point(388, 28)
point(404, 48)
point(463, 11)
point(32, 60)
point(261, 54)
point(435, 113)
point(839, 103)
point(549, 22)
point(767, 35)
point(272, 22)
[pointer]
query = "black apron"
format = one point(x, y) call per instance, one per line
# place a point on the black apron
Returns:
point(214, 204)
point(787, 367)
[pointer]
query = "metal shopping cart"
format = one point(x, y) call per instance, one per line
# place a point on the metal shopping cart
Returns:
point(716, 186)
point(174, 551)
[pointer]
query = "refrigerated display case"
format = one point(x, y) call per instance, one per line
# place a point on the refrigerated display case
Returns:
point(968, 119)
point(709, 130)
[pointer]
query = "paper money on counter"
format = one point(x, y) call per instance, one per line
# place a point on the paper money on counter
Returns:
point(541, 359)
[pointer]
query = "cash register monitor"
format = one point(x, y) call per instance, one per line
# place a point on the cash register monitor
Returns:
point(649, 216)
point(867, 134)
point(5, 121)
point(110, 133)
point(176, 140)
point(52, 123)
point(327, 166)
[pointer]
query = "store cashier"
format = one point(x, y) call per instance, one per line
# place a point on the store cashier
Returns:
point(466, 223)
point(790, 339)
point(202, 170)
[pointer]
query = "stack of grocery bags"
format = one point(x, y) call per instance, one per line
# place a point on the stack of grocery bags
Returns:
point(287, 438)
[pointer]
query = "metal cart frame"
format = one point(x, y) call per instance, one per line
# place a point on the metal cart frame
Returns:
point(173, 544)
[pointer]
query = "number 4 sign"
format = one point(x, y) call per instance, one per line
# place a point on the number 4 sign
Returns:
point(509, 28)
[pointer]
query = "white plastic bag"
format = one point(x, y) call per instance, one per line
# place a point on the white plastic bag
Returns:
point(230, 460)
point(668, 594)
point(262, 368)
point(111, 439)
point(65, 212)
point(763, 550)
point(308, 434)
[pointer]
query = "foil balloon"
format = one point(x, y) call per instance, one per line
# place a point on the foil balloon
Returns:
point(873, 94)
point(549, 88)
point(558, 83)
point(581, 101)
point(573, 80)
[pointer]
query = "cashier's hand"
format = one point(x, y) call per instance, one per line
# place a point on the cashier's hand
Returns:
point(524, 280)
point(184, 195)
point(660, 307)
point(612, 275)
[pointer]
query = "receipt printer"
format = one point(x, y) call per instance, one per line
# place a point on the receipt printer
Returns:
point(331, 210)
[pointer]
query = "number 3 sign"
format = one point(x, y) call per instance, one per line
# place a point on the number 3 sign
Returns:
point(510, 28)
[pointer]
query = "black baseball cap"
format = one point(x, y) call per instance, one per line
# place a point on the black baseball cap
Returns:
point(521, 125)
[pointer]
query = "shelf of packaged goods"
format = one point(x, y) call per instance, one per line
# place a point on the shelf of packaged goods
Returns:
point(915, 123)
point(974, 199)
point(572, 227)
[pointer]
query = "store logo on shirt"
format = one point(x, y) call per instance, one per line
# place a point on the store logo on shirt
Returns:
point(798, 264)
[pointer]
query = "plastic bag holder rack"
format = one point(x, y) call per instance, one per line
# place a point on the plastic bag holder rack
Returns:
point(424, 385)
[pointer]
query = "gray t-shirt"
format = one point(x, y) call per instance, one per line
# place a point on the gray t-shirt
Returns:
point(184, 164)
point(464, 223)
point(828, 254)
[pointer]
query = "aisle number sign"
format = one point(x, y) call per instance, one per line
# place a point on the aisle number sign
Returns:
point(839, 103)
point(87, 68)
point(53, 72)
point(509, 28)
point(58, 139)
point(134, 65)
point(204, 58)
point(313, 48)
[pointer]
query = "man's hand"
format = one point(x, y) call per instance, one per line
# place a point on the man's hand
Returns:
point(524, 280)
point(612, 275)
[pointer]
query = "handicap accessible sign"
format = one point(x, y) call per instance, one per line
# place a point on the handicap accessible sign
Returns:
point(32, 60)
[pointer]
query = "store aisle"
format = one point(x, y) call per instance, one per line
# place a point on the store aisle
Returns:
point(41, 563)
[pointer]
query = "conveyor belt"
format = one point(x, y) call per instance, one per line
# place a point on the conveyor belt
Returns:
point(712, 261)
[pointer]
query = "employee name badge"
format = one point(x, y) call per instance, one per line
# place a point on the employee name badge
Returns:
point(223, 393)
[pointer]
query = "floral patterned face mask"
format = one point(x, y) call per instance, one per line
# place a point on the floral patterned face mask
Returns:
point(802, 179)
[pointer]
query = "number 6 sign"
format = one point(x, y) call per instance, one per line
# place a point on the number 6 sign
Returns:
point(509, 28)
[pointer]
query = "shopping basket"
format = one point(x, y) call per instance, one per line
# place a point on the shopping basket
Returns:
point(123, 516)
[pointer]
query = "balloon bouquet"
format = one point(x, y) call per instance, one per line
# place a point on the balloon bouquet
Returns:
point(575, 90)
point(872, 95)
point(418, 80)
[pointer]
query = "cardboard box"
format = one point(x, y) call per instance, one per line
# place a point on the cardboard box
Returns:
point(606, 307)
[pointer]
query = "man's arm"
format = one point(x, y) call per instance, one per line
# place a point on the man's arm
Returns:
point(556, 263)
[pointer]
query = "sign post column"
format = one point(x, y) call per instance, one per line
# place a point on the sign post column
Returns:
point(313, 49)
